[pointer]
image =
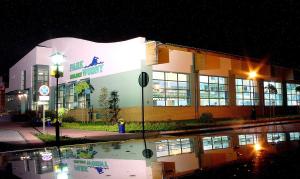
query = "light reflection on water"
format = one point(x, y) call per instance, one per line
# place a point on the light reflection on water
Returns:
point(173, 156)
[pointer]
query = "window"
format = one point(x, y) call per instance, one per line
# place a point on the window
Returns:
point(173, 147)
point(213, 91)
point(61, 95)
point(246, 92)
point(70, 97)
point(170, 89)
point(294, 135)
point(272, 99)
point(275, 137)
point(40, 77)
point(247, 139)
point(293, 97)
point(217, 142)
point(23, 80)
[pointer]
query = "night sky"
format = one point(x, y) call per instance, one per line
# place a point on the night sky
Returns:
point(264, 30)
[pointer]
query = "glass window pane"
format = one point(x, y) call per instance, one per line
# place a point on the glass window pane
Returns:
point(158, 75)
point(171, 76)
point(182, 77)
point(204, 79)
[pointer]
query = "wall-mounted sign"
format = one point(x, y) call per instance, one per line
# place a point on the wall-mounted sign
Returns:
point(46, 156)
point(44, 90)
point(85, 70)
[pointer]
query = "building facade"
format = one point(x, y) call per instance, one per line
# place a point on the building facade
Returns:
point(184, 82)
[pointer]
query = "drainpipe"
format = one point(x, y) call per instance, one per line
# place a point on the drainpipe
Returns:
point(195, 86)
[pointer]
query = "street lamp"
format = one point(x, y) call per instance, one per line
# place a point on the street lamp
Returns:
point(57, 72)
point(252, 75)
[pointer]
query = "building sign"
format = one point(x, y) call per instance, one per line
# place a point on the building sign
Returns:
point(83, 165)
point(85, 70)
point(44, 90)
point(46, 156)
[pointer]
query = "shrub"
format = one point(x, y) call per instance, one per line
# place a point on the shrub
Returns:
point(68, 119)
point(206, 117)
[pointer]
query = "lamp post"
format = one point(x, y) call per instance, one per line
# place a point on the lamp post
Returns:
point(57, 72)
point(252, 75)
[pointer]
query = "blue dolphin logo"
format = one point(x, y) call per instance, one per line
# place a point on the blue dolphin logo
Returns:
point(94, 62)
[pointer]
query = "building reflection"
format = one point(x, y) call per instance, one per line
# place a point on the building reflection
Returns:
point(173, 156)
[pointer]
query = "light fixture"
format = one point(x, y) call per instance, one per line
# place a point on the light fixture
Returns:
point(252, 74)
point(257, 147)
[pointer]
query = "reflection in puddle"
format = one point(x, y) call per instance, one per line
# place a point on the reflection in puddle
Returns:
point(173, 156)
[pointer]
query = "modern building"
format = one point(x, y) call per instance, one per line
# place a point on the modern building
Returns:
point(184, 82)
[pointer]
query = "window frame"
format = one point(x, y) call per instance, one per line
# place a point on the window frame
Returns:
point(218, 91)
point(254, 95)
point(164, 98)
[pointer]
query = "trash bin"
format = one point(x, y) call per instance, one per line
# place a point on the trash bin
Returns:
point(121, 125)
point(48, 123)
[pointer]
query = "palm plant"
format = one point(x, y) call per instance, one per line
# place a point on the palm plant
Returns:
point(297, 96)
point(272, 90)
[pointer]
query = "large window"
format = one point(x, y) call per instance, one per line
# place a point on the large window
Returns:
point(248, 139)
point(213, 91)
point(70, 97)
point(293, 97)
point(40, 77)
point(217, 142)
point(275, 137)
point(173, 147)
point(170, 89)
point(272, 99)
point(246, 92)
point(294, 135)
point(61, 96)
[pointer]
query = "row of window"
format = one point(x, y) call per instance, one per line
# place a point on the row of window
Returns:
point(180, 146)
point(173, 147)
point(221, 142)
point(172, 89)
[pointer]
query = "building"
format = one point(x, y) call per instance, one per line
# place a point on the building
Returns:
point(184, 82)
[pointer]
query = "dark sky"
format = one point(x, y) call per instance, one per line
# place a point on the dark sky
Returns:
point(268, 29)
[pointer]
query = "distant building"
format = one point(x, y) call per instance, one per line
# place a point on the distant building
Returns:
point(184, 82)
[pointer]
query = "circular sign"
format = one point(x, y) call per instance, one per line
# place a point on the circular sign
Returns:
point(143, 79)
point(147, 153)
point(44, 90)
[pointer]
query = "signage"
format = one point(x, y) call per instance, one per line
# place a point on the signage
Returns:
point(44, 90)
point(44, 98)
point(143, 79)
point(46, 156)
point(81, 70)
point(83, 165)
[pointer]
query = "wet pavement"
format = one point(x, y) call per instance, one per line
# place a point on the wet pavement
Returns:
point(251, 152)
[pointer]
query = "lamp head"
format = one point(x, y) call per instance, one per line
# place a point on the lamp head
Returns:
point(57, 58)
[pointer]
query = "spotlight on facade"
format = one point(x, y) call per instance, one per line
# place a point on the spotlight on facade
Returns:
point(252, 74)
point(257, 147)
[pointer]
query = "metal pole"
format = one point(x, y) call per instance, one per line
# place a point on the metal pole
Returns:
point(143, 118)
point(57, 122)
point(43, 118)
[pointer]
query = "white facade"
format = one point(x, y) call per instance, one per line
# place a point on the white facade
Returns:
point(116, 58)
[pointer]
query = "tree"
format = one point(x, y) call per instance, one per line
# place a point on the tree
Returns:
point(104, 103)
point(272, 90)
point(114, 106)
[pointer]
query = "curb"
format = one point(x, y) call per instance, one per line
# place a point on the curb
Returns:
point(225, 128)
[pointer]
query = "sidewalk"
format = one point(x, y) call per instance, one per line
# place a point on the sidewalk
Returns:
point(28, 133)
